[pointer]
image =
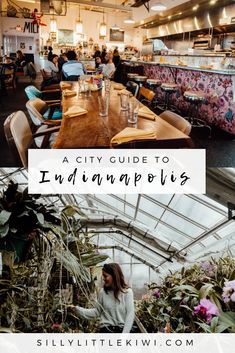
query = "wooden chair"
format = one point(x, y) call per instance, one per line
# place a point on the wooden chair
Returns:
point(177, 121)
point(46, 81)
point(146, 96)
point(42, 114)
point(20, 137)
point(8, 77)
point(48, 96)
point(133, 87)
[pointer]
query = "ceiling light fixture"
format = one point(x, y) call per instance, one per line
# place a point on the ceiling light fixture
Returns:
point(115, 26)
point(53, 24)
point(130, 19)
point(103, 28)
point(79, 24)
point(158, 6)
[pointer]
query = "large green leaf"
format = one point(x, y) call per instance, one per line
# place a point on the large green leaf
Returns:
point(205, 327)
point(40, 218)
point(4, 216)
point(214, 323)
point(71, 210)
point(185, 288)
point(227, 318)
point(205, 290)
point(93, 259)
point(4, 230)
point(5, 329)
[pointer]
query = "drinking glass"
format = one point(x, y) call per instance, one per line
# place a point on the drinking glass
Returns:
point(107, 84)
point(133, 108)
point(103, 101)
point(79, 88)
point(124, 99)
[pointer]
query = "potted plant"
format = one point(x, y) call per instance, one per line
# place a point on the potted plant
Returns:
point(22, 218)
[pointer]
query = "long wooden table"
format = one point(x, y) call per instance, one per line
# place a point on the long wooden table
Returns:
point(93, 131)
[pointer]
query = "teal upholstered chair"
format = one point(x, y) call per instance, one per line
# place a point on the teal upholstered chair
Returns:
point(54, 109)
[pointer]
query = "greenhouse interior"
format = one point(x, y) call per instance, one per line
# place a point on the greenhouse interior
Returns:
point(177, 253)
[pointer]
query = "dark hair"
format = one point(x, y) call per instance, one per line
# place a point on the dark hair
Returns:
point(19, 52)
point(71, 55)
point(50, 48)
point(119, 284)
point(52, 57)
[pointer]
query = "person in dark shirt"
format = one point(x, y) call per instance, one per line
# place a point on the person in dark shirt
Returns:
point(20, 62)
point(116, 57)
point(62, 59)
point(103, 54)
point(50, 54)
point(97, 52)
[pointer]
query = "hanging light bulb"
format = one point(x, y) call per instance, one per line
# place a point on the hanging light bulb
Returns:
point(53, 25)
point(79, 25)
point(103, 28)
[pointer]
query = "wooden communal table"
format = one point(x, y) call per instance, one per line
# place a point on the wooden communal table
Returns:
point(93, 131)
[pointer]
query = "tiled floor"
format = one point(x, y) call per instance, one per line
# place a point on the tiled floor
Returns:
point(220, 148)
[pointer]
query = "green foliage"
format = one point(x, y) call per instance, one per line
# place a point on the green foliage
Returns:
point(22, 217)
point(58, 269)
point(181, 292)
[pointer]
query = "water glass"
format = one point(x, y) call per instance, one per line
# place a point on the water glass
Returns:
point(103, 104)
point(124, 99)
point(79, 88)
point(133, 108)
point(107, 84)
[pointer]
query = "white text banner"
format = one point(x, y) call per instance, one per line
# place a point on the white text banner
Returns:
point(110, 171)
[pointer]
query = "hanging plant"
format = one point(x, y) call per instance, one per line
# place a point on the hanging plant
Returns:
point(22, 217)
point(60, 270)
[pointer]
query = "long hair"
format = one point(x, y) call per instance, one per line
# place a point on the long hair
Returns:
point(119, 284)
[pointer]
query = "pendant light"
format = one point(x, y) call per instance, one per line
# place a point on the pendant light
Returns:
point(115, 26)
point(103, 28)
point(79, 24)
point(53, 25)
point(158, 6)
point(130, 19)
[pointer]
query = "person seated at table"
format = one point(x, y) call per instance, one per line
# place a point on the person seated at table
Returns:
point(21, 62)
point(61, 60)
point(73, 68)
point(8, 60)
point(50, 53)
point(51, 70)
point(103, 54)
point(99, 66)
point(51, 66)
point(109, 68)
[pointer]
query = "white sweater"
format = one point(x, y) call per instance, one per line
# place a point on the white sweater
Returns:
point(111, 311)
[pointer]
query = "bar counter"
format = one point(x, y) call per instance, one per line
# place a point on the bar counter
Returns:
point(218, 85)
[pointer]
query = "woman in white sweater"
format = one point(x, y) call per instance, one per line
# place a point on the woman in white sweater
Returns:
point(115, 305)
